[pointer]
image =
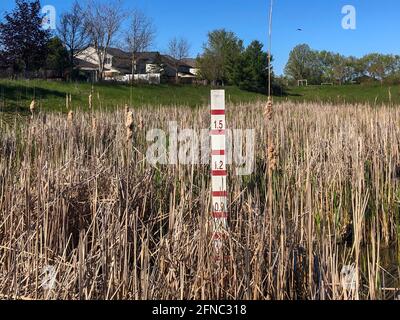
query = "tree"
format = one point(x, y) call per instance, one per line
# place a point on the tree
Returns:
point(253, 71)
point(335, 67)
point(303, 64)
point(178, 49)
point(377, 65)
point(73, 32)
point(22, 38)
point(210, 68)
point(58, 57)
point(321, 66)
point(140, 36)
point(221, 56)
point(393, 76)
point(103, 20)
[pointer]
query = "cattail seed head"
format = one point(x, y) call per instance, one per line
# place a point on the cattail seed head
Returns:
point(272, 156)
point(32, 106)
point(129, 119)
point(90, 101)
point(94, 124)
point(140, 126)
point(129, 124)
point(268, 110)
point(70, 118)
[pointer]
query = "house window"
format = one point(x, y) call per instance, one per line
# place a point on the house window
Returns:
point(108, 61)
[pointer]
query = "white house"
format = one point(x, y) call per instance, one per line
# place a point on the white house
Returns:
point(150, 66)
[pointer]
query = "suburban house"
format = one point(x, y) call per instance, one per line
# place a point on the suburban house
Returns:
point(192, 64)
point(151, 67)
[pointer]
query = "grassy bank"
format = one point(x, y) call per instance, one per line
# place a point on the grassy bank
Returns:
point(372, 94)
point(51, 96)
point(17, 95)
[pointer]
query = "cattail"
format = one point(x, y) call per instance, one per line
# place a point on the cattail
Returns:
point(129, 124)
point(32, 107)
point(70, 118)
point(268, 110)
point(272, 156)
point(140, 125)
point(90, 101)
point(94, 124)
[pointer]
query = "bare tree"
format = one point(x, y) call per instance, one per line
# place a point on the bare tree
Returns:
point(140, 36)
point(103, 21)
point(178, 49)
point(73, 33)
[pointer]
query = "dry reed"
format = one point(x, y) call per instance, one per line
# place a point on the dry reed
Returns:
point(32, 107)
point(129, 124)
point(115, 227)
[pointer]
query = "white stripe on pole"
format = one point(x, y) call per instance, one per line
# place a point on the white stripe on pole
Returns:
point(218, 168)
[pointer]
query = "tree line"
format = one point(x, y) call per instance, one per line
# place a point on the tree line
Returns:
point(226, 61)
point(329, 67)
point(27, 49)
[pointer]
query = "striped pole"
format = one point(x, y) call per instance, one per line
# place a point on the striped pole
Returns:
point(218, 170)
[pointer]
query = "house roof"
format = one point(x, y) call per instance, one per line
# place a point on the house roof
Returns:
point(172, 61)
point(148, 55)
point(190, 62)
point(122, 61)
point(82, 64)
point(118, 53)
point(122, 64)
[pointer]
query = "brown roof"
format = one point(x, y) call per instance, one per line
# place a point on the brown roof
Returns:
point(190, 62)
point(84, 64)
point(118, 53)
point(123, 63)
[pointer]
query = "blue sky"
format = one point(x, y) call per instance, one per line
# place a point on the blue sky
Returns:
point(377, 29)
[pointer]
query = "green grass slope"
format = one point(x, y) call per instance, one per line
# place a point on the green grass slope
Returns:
point(51, 96)
point(17, 95)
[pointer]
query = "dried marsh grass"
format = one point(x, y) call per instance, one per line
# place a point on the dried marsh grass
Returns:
point(114, 227)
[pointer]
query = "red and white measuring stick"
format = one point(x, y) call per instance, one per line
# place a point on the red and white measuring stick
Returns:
point(218, 167)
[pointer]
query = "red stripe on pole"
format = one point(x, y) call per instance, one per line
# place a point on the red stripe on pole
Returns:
point(219, 215)
point(219, 194)
point(218, 173)
point(218, 132)
point(218, 152)
point(219, 236)
point(217, 112)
